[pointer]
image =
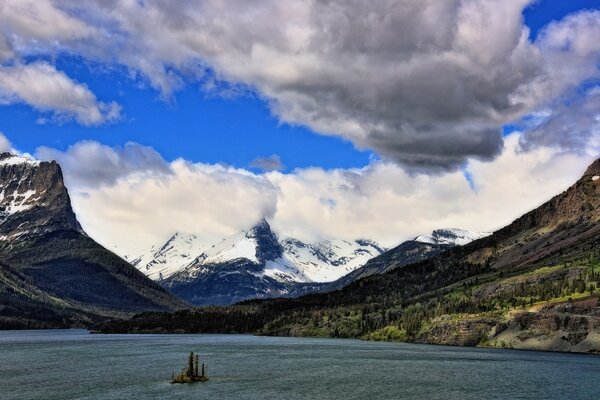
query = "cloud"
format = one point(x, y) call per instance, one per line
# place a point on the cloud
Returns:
point(49, 90)
point(89, 164)
point(270, 163)
point(424, 83)
point(39, 20)
point(6, 51)
point(574, 126)
point(572, 121)
point(213, 201)
point(571, 50)
point(427, 84)
point(137, 206)
point(5, 144)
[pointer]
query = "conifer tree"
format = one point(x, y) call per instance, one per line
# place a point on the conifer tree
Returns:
point(196, 365)
point(190, 369)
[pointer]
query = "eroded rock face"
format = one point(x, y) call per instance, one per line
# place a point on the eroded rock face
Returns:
point(462, 332)
point(33, 199)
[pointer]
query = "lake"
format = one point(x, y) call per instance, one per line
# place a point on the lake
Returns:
point(73, 364)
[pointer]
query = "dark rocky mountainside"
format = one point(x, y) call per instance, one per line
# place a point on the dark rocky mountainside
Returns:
point(406, 253)
point(533, 284)
point(51, 272)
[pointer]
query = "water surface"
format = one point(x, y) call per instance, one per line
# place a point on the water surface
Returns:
point(73, 364)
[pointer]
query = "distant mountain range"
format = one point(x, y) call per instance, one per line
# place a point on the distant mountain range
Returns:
point(534, 284)
point(51, 273)
point(256, 263)
point(253, 263)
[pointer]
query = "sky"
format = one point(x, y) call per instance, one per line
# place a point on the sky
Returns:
point(380, 120)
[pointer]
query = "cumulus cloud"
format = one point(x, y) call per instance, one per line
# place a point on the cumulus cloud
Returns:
point(213, 201)
point(425, 83)
point(135, 209)
point(89, 164)
point(270, 163)
point(5, 144)
point(574, 126)
point(45, 88)
point(6, 51)
point(41, 20)
point(571, 49)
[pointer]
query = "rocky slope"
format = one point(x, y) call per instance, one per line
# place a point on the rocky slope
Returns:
point(52, 273)
point(409, 252)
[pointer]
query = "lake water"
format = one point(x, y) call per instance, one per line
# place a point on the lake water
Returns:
point(73, 364)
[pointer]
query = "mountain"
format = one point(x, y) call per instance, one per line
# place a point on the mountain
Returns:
point(533, 284)
point(451, 237)
point(162, 261)
point(51, 272)
point(255, 263)
point(409, 252)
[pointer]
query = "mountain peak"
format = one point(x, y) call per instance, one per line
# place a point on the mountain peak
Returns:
point(13, 159)
point(262, 224)
point(452, 236)
point(32, 196)
point(267, 244)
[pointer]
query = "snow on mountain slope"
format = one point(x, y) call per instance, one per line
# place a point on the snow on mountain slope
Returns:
point(452, 236)
point(287, 260)
point(161, 262)
point(328, 260)
point(240, 245)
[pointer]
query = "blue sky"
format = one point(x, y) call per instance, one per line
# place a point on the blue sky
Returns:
point(203, 128)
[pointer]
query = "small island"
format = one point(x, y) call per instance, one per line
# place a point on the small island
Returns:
point(191, 373)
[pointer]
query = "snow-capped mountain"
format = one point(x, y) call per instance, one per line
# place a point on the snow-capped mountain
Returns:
point(409, 252)
point(160, 262)
point(33, 199)
point(328, 260)
point(250, 264)
point(451, 236)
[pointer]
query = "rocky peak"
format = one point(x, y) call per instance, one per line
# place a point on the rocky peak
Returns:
point(451, 236)
point(267, 244)
point(33, 198)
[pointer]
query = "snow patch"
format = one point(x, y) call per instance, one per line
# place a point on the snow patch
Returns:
point(595, 177)
point(15, 160)
point(451, 236)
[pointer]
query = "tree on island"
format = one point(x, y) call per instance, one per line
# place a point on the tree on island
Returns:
point(190, 374)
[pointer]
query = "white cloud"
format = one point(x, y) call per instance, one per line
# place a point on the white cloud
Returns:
point(571, 49)
point(6, 51)
point(89, 164)
point(49, 90)
point(41, 20)
point(574, 126)
point(5, 144)
point(138, 210)
point(141, 206)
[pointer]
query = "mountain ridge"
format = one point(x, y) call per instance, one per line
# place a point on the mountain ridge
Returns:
point(49, 263)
